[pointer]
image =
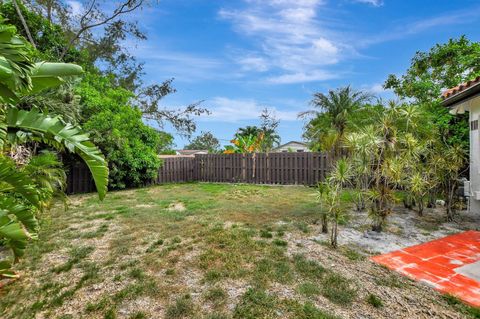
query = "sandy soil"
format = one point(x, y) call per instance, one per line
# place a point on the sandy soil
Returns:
point(404, 228)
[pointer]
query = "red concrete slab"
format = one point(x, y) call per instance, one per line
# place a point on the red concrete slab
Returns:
point(437, 262)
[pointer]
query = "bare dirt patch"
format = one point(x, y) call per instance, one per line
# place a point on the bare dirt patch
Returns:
point(176, 207)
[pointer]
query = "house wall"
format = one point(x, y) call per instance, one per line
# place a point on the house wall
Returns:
point(474, 160)
point(294, 147)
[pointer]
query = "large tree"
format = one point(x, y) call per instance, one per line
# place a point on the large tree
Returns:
point(95, 39)
point(268, 126)
point(204, 141)
point(442, 67)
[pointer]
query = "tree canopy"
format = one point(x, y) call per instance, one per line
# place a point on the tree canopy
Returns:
point(111, 101)
point(204, 141)
point(443, 66)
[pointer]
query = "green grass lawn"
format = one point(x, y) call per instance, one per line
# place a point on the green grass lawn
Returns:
point(234, 251)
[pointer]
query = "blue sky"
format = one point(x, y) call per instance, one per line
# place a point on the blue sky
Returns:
point(241, 56)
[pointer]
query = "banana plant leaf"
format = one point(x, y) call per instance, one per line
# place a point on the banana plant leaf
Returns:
point(52, 129)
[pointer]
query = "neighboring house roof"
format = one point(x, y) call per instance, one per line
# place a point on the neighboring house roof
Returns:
point(191, 152)
point(291, 142)
point(461, 92)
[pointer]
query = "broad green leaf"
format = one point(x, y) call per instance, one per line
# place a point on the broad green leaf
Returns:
point(40, 83)
point(13, 231)
point(19, 182)
point(48, 69)
point(72, 138)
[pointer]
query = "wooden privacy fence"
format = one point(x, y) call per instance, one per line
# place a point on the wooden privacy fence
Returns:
point(261, 168)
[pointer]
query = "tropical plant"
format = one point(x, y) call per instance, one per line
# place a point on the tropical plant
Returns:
point(443, 66)
point(385, 155)
point(245, 144)
point(334, 108)
point(447, 163)
point(28, 184)
point(333, 188)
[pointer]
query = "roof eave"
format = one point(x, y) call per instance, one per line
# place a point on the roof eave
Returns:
point(462, 96)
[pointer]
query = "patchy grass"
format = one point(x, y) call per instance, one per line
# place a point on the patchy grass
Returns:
point(338, 289)
point(181, 308)
point(309, 289)
point(236, 251)
point(375, 301)
point(460, 306)
point(256, 303)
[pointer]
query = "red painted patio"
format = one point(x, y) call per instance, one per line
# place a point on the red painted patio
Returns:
point(450, 265)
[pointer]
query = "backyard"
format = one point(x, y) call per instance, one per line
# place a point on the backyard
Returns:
point(201, 250)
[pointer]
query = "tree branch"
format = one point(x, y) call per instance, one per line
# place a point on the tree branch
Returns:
point(122, 9)
point(24, 23)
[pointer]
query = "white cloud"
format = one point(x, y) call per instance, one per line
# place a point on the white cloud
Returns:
point(253, 63)
point(376, 88)
point(375, 3)
point(233, 110)
point(75, 7)
point(289, 39)
point(302, 77)
point(164, 63)
point(406, 29)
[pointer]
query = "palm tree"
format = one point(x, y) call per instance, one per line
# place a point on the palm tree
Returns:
point(26, 188)
point(337, 105)
point(248, 131)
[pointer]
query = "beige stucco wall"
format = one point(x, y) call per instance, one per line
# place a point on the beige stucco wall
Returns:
point(294, 147)
point(474, 109)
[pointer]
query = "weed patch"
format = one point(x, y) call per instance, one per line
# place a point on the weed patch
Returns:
point(255, 303)
point(182, 308)
point(338, 289)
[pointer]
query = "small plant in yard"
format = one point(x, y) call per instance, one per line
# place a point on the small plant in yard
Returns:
point(352, 254)
point(321, 197)
point(265, 234)
point(138, 315)
point(375, 301)
point(280, 242)
point(333, 187)
point(216, 295)
point(182, 307)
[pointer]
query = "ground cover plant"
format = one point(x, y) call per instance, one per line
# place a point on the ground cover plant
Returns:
point(228, 251)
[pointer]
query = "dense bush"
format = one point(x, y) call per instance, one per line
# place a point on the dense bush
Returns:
point(118, 129)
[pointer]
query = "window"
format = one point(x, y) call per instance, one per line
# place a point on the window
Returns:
point(474, 125)
point(300, 151)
